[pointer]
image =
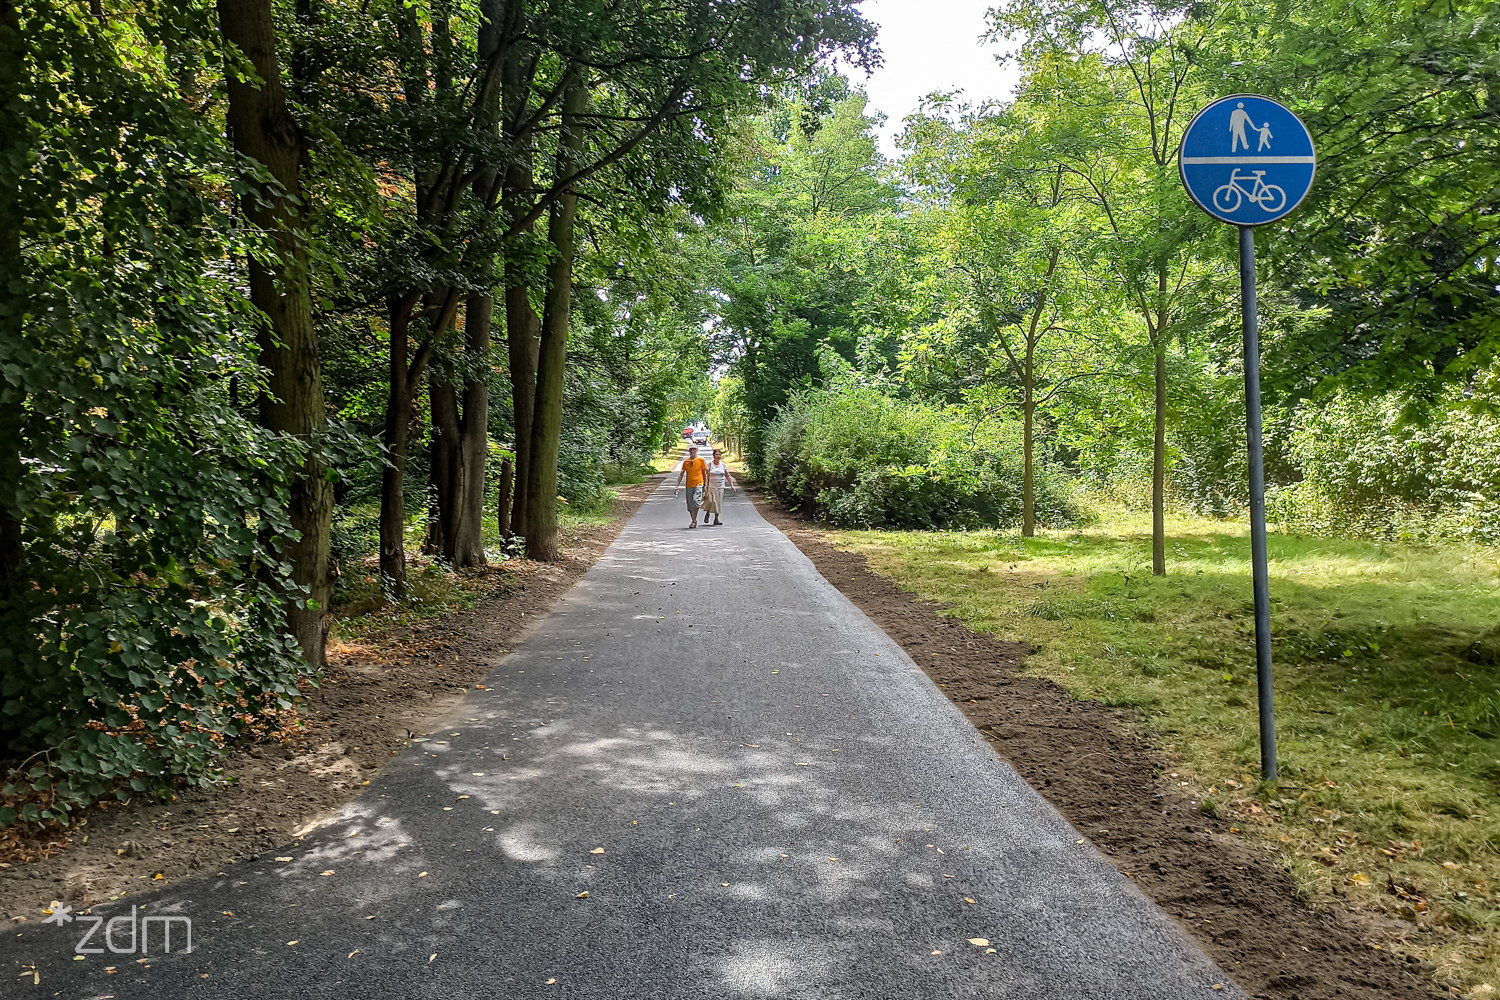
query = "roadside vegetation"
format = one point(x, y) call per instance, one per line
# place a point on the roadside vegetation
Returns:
point(1388, 714)
point(300, 288)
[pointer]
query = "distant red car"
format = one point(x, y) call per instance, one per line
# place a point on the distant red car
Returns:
point(687, 432)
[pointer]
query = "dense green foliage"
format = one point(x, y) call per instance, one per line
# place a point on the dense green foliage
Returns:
point(1024, 307)
point(1037, 260)
point(159, 521)
point(861, 458)
point(140, 628)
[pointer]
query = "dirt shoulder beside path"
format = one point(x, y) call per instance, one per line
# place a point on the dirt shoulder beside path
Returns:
point(1230, 895)
point(378, 694)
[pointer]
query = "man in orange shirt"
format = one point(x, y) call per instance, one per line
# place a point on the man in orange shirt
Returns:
point(696, 471)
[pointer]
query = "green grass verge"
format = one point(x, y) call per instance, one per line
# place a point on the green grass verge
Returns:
point(1389, 727)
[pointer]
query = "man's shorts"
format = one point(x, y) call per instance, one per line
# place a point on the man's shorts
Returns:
point(694, 498)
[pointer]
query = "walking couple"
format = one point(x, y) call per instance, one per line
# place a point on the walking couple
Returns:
point(705, 485)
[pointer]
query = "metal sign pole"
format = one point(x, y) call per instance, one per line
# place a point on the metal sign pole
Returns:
point(1259, 570)
point(1248, 161)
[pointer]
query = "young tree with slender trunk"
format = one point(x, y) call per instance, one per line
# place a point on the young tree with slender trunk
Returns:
point(1129, 63)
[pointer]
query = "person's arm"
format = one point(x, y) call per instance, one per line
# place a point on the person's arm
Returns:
point(729, 477)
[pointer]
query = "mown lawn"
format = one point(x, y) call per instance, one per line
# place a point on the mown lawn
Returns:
point(1389, 727)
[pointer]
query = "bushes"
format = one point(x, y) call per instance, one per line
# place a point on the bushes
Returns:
point(1398, 466)
point(860, 457)
point(142, 513)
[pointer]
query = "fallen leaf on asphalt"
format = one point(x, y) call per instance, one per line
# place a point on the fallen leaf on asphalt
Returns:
point(283, 859)
point(423, 875)
point(550, 982)
point(582, 895)
point(937, 953)
point(109, 970)
point(462, 797)
point(950, 876)
point(1218, 986)
point(447, 809)
point(1080, 840)
point(228, 913)
point(1358, 878)
point(354, 952)
point(79, 958)
point(327, 873)
point(990, 951)
point(724, 884)
point(290, 943)
point(833, 859)
point(968, 900)
point(233, 829)
point(370, 917)
point(801, 763)
point(940, 850)
point(753, 746)
point(980, 942)
point(597, 850)
point(431, 957)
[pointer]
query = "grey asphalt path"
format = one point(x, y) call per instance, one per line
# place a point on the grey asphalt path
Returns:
point(786, 807)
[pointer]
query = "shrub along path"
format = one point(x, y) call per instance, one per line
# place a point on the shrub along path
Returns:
point(1233, 896)
point(704, 773)
point(392, 677)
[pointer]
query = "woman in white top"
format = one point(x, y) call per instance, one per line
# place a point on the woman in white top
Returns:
point(713, 497)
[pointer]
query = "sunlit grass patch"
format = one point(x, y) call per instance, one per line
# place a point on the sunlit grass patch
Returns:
point(1389, 725)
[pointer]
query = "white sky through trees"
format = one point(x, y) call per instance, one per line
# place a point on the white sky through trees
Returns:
point(930, 45)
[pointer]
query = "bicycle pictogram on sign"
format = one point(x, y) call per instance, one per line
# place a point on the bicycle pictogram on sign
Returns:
point(1227, 198)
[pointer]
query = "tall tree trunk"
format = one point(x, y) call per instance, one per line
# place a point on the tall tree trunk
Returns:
point(523, 327)
point(1159, 442)
point(280, 286)
point(443, 468)
point(502, 497)
point(393, 475)
point(1028, 476)
point(13, 135)
point(1159, 467)
point(463, 538)
point(546, 423)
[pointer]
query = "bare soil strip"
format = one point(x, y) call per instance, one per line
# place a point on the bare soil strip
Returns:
point(376, 697)
point(1227, 893)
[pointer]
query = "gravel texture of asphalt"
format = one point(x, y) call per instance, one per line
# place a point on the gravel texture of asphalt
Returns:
point(704, 774)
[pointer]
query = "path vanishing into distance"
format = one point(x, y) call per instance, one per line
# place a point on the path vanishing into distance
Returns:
point(704, 774)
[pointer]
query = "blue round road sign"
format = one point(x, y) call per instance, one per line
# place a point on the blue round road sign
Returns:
point(1247, 160)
